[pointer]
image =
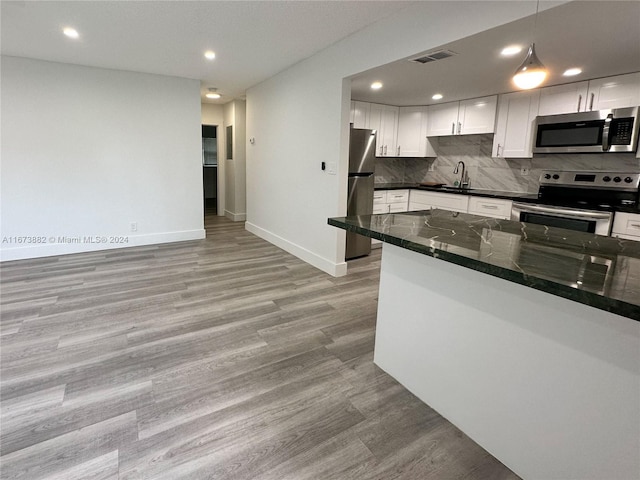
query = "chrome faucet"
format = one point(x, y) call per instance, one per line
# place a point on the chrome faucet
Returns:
point(463, 181)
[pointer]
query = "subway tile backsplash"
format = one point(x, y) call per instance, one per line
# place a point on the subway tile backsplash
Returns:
point(487, 172)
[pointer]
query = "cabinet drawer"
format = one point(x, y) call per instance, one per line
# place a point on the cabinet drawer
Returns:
point(379, 196)
point(380, 208)
point(627, 225)
point(490, 207)
point(398, 196)
point(445, 201)
point(397, 207)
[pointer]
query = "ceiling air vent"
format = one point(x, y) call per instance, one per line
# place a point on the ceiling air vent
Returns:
point(433, 56)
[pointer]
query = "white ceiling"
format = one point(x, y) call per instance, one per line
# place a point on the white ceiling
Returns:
point(601, 37)
point(253, 40)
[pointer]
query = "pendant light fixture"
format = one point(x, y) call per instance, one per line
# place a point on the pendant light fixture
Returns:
point(532, 72)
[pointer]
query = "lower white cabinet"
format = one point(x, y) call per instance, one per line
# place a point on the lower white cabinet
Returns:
point(490, 207)
point(626, 225)
point(389, 201)
point(425, 200)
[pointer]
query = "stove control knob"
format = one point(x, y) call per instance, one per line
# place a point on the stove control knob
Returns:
point(547, 176)
point(556, 176)
point(606, 178)
point(617, 179)
point(628, 179)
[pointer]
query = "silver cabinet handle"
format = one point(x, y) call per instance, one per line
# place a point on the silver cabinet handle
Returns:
point(579, 102)
point(489, 207)
point(634, 225)
point(398, 150)
point(388, 208)
point(381, 150)
point(453, 128)
point(385, 149)
point(459, 128)
point(593, 95)
point(498, 150)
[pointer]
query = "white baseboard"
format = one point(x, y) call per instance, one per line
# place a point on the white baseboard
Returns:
point(235, 217)
point(81, 244)
point(334, 269)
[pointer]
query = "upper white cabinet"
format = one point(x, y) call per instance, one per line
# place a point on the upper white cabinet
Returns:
point(384, 119)
point(568, 98)
point(514, 127)
point(472, 116)
point(614, 92)
point(360, 112)
point(412, 133)
point(600, 94)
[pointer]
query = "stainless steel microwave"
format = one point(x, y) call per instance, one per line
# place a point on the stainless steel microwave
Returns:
point(614, 130)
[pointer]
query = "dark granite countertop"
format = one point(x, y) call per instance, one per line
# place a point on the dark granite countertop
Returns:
point(602, 272)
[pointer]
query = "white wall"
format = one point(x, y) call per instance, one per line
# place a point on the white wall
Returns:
point(87, 151)
point(299, 118)
point(213, 114)
point(234, 169)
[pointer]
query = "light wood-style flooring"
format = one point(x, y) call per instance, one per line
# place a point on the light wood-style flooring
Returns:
point(225, 358)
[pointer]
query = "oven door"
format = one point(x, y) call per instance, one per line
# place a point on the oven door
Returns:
point(561, 217)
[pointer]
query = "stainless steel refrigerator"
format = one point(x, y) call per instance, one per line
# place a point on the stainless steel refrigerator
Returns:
point(362, 145)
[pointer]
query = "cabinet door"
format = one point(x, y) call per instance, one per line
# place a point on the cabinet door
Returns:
point(384, 119)
point(614, 92)
point(390, 130)
point(477, 115)
point(360, 114)
point(568, 98)
point(412, 132)
point(514, 127)
point(442, 119)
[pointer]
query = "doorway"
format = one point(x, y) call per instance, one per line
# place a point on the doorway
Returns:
point(210, 168)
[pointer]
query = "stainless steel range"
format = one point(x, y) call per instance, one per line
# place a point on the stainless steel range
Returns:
point(583, 201)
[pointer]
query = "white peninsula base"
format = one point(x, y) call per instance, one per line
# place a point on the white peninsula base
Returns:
point(549, 386)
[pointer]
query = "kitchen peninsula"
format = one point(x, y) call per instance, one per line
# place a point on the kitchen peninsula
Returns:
point(524, 336)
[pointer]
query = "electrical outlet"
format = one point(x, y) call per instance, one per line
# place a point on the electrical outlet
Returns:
point(133, 226)
point(524, 171)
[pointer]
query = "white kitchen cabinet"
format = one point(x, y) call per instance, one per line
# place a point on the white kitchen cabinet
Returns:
point(442, 119)
point(425, 200)
point(412, 133)
point(359, 117)
point(473, 116)
point(490, 207)
point(389, 201)
point(626, 225)
point(568, 98)
point(614, 92)
point(384, 119)
point(477, 115)
point(514, 126)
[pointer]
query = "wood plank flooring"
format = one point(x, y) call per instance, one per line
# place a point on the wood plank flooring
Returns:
point(225, 358)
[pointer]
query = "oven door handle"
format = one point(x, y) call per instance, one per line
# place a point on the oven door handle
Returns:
point(559, 211)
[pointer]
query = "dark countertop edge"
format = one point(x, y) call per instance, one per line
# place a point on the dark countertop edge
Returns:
point(612, 305)
point(515, 196)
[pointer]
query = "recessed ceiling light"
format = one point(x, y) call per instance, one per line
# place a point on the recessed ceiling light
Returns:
point(70, 32)
point(212, 95)
point(376, 85)
point(511, 50)
point(437, 96)
point(210, 54)
point(571, 72)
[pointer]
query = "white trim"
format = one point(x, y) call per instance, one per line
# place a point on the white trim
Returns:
point(235, 217)
point(334, 269)
point(81, 246)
